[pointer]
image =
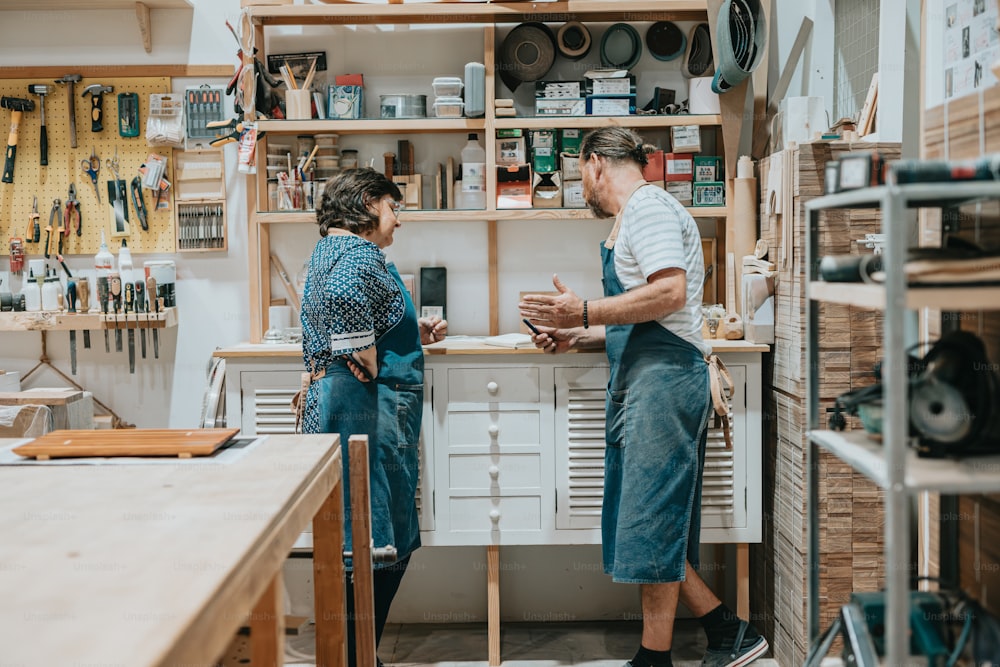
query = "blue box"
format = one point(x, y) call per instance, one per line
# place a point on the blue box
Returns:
point(345, 102)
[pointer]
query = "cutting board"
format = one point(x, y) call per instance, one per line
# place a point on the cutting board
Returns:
point(182, 443)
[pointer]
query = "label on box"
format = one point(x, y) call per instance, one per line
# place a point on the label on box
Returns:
point(543, 138)
point(624, 85)
point(706, 168)
point(611, 106)
point(558, 89)
point(508, 132)
point(680, 190)
point(560, 107)
point(511, 150)
point(685, 139)
point(573, 194)
point(709, 194)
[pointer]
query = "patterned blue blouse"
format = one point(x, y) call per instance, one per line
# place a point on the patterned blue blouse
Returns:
point(350, 299)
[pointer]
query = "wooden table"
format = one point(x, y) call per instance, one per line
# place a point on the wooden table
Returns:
point(161, 564)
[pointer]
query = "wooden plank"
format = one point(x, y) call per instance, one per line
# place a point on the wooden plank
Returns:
point(361, 535)
point(127, 442)
point(743, 580)
point(40, 396)
point(493, 602)
point(430, 215)
point(267, 625)
point(592, 122)
point(328, 574)
point(373, 126)
point(64, 5)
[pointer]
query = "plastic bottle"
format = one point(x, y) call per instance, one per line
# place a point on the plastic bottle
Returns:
point(104, 262)
point(32, 294)
point(125, 263)
point(50, 293)
point(473, 175)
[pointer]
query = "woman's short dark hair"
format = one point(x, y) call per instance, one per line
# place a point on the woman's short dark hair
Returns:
point(347, 199)
point(618, 144)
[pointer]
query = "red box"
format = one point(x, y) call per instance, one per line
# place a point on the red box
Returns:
point(349, 80)
point(678, 167)
point(653, 171)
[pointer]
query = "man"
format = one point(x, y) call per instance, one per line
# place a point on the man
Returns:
point(658, 402)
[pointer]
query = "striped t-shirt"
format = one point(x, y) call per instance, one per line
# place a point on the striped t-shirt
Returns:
point(657, 233)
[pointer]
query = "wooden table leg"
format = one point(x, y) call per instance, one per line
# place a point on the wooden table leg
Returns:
point(328, 578)
point(743, 580)
point(493, 602)
point(267, 627)
point(361, 558)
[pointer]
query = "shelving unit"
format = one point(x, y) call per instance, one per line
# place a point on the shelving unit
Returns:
point(485, 16)
point(892, 465)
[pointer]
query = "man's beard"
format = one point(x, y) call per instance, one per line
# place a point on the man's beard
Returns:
point(596, 208)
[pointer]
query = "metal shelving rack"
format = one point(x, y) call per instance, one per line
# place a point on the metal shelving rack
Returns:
point(893, 466)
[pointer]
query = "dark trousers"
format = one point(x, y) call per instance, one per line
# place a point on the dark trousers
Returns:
point(385, 582)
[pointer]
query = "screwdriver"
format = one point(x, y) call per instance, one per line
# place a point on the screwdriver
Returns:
point(129, 305)
point(153, 308)
point(116, 306)
point(83, 292)
point(140, 306)
point(71, 307)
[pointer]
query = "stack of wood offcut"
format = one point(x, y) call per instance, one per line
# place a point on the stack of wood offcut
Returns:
point(850, 509)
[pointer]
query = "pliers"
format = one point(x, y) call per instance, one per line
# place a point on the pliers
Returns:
point(72, 215)
point(55, 225)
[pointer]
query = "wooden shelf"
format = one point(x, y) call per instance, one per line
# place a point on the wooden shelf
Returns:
point(50, 320)
point(373, 126)
point(591, 122)
point(472, 215)
point(864, 295)
point(591, 10)
point(65, 5)
point(974, 474)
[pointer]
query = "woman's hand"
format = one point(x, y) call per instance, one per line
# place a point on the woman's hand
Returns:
point(432, 329)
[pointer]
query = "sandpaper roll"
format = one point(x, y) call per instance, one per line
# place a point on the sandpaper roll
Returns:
point(698, 59)
point(665, 40)
point(621, 46)
point(526, 54)
point(573, 40)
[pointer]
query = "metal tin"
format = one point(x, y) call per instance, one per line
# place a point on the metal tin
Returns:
point(403, 106)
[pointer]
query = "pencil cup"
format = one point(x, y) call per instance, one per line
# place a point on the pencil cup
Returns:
point(298, 104)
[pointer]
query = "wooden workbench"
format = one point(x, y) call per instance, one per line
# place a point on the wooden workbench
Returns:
point(160, 564)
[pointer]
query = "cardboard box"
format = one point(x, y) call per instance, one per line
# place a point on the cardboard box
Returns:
point(614, 86)
point(709, 194)
point(559, 89)
point(511, 150)
point(685, 139)
point(678, 167)
point(653, 171)
point(569, 106)
point(707, 168)
point(570, 140)
point(345, 102)
point(514, 186)
point(570, 163)
point(680, 190)
point(543, 159)
point(543, 139)
point(623, 105)
point(573, 195)
point(546, 190)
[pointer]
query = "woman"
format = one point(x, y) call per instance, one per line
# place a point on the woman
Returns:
point(361, 340)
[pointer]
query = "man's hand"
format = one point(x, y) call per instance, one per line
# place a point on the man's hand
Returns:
point(562, 311)
point(554, 341)
point(432, 329)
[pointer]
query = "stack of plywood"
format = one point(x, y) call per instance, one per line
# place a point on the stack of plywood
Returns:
point(850, 508)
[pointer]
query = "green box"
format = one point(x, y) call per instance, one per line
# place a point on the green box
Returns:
point(544, 160)
point(707, 168)
point(707, 193)
point(570, 140)
point(509, 133)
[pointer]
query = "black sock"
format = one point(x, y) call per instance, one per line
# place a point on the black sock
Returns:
point(645, 657)
point(721, 626)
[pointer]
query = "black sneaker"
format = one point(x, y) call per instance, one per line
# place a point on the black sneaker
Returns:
point(748, 646)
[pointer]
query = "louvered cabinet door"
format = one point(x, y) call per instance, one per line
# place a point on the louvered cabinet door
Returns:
point(267, 400)
point(579, 424)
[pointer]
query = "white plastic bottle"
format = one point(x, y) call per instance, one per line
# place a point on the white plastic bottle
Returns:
point(104, 263)
point(32, 294)
point(125, 263)
point(50, 293)
point(473, 175)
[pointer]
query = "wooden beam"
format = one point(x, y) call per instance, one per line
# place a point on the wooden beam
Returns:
point(106, 71)
point(493, 603)
point(491, 244)
point(142, 16)
point(267, 625)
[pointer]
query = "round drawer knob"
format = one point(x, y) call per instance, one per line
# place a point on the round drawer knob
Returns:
point(494, 471)
point(493, 429)
point(495, 516)
point(492, 387)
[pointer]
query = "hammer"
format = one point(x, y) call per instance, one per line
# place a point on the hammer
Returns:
point(17, 106)
point(42, 89)
point(96, 91)
point(71, 79)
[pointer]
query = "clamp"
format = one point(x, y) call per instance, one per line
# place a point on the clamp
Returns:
point(72, 215)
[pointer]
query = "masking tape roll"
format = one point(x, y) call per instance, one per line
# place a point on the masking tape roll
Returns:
point(573, 40)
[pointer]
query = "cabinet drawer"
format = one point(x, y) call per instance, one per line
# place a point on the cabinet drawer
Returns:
point(486, 385)
point(485, 428)
point(483, 515)
point(484, 472)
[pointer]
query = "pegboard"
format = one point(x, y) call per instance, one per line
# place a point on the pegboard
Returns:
point(53, 181)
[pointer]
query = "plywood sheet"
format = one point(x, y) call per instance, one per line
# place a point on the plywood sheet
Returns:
point(183, 443)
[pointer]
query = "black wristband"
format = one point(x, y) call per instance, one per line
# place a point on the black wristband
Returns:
point(586, 323)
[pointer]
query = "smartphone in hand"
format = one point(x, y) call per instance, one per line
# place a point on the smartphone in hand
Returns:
point(364, 371)
point(531, 326)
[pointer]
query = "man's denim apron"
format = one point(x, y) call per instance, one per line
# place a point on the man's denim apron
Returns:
point(388, 411)
point(657, 410)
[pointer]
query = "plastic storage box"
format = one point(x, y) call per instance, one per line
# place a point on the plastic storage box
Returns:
point(447, 86)
point(449, 107)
